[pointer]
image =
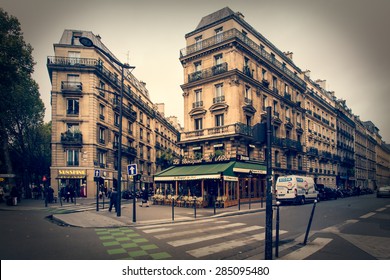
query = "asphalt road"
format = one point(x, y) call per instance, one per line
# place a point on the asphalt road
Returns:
point(351, 228)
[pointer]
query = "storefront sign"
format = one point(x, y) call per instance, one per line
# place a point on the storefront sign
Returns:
point(71, 173)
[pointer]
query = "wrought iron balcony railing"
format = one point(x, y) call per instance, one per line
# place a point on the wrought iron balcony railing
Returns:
point(209, 72)
point(235, 34)
point(72, 138)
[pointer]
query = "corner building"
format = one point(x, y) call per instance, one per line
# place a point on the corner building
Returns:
point(85, 120)
point(231, 74)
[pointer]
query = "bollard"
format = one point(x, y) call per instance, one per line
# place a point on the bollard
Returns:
point(97, 195)
point(195, 208)
point(239, 204)
point(103, 200)
point(215, 206)
point(173, 209)
point(310, 220)
point(277, 230)
point(261, 200)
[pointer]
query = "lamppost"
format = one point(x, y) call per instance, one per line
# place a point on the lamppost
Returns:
point(88, 43)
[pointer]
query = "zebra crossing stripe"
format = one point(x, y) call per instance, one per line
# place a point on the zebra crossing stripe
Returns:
point(181, 233)
point(181, 223)
point(153, 230)
point(182, 242)
point(228, 245)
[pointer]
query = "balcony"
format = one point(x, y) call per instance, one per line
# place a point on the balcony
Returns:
point(71, 87)
point(72, 139)
point(126, 110)
point(312, 152)
point(126, 150)
point(235, 34)
point(197, 104)
point(209, 72)
point(219, 99)
point(226, 130)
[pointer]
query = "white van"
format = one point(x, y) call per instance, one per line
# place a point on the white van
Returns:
point(296, 189)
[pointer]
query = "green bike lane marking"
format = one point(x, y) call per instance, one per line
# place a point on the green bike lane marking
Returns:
point(125, 243)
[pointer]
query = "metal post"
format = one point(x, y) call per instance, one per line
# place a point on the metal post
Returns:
point(239, 204)
point(118, 209)
point(310, 220)
point(173, 209)
point(195, 208)
point(277, 230)
point(103, 200)
point(215, 205)
point(97, 194)
point(268, 215)
point(134, 200)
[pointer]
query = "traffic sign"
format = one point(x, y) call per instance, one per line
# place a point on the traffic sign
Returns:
point(132, 169)
point(97, 173)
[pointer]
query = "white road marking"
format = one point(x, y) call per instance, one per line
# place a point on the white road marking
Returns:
point(182, 242)
point(308, 250)
point(381, 209)
point(228, 245)
point(156, 230)
point(181, 223)
point(367, 215)
point(181, 233)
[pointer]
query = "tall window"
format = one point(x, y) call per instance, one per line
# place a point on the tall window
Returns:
point(264, 74)
point(72, 107)
point(275, 107)
point(218, 90)
point(73, 157)
point(73, 127)
point(219, 121)
point(265, 102)
point(116, 119)
point(198, 43)
point(198, 97)
point(218, 34)
point(101, 111)
point(198, 66)
point(198, 124)
point(102, 138)
point(274, 84)
point(74, 57)
point(248, 94)
point(101, 158)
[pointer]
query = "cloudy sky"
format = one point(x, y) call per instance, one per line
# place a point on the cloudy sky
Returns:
point(345, 42)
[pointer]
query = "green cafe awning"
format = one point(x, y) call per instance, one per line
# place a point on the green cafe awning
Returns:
point(246, 167)
point(197, 172)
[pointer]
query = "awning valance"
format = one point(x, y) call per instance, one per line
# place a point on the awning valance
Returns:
point(246, 167)
point(198, 172)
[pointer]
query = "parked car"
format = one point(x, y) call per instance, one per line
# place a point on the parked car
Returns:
point(383, 191)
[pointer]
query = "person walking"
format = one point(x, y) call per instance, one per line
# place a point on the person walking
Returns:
point(145, 197)
point(113, 199)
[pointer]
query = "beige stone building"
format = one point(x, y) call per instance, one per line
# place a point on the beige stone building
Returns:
point(85, 119)
point(231, 74)
point(321, 140)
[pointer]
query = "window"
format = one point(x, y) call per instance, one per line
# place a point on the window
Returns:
point(264, 74)
point(102, 137)
point(275, 84)
point(198, 124)
point(248, 94)
point(141, 151)
point(198, 98)
point(72, 157)
point(277, 159)
point(265, 102)
point(198, 43)
point(218, 59)
point(116, 140)
point(116, 119)
point(74, 57)
point(101, 111)
point(73, 127)
point(129, 126)
point(219, 97)
point(286, 90)
point(218, 34)
point(219, 121)
point(101, 158)
point(73, 82)
point(72, 107)
point(275, 107)
point(141, 117)
point(198, 66)
point(141, 133)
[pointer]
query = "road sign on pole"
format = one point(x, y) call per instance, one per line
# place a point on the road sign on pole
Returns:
point(96, 173)
point(132, 169)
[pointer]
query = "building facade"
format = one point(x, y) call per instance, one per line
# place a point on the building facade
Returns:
point(85, 120)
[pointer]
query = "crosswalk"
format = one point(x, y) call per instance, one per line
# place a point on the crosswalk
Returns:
point(71, 208)
point(214, 239)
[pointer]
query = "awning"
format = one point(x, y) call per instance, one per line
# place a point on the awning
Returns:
point(198, 172)
point(246, 167)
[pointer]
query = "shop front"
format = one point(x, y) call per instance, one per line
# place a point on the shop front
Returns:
point(74, 179)
point(222, 183)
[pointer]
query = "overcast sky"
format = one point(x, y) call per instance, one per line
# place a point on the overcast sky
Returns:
point(345, 42)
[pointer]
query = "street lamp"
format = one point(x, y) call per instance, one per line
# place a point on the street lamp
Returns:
point(88, 43)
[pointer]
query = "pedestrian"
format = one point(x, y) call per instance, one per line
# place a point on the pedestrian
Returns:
point(145, 197)
point(113, 199)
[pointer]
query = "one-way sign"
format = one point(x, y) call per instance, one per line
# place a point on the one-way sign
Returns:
point(97, 173)
point(132, 169)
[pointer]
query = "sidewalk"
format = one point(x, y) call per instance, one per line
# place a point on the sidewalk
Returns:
point(85, 214)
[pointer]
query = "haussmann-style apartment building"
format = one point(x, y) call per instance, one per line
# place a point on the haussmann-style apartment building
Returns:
point(85, 119)
point(232, 73)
